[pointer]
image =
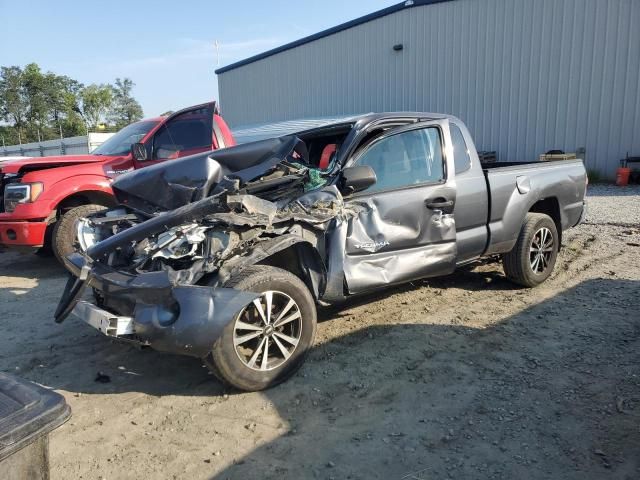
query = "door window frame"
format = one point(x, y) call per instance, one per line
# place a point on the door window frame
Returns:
point(437, 124)
point(150, 142)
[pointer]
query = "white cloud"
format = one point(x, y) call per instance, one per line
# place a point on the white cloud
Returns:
point(195, 49)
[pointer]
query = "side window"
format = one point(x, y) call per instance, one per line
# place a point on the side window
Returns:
point(187, 133)
point(460, 151)
point(405, 159)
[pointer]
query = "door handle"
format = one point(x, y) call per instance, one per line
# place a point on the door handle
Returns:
point(440, 204)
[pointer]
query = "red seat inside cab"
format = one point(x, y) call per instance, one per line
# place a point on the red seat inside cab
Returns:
point(325, 158)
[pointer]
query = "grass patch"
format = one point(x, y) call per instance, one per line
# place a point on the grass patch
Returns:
point(594, 176)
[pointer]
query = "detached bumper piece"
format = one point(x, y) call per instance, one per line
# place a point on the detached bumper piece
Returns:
point(108, 323)
point(149, 309)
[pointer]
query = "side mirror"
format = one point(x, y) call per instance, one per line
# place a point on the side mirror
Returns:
point(356, 179)
point(139, 151)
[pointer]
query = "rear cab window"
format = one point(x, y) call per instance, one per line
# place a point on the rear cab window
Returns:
point(461, 156)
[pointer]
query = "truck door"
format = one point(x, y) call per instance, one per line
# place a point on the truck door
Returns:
point(405, 227)
point(185, 133)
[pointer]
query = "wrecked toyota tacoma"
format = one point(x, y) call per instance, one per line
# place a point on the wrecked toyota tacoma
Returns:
point(224, 255)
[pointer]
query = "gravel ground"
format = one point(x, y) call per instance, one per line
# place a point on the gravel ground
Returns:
point(464, 376)
point(610, 205)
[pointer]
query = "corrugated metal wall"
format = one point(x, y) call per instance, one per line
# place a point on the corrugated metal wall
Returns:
point(526, 76)
point(80, 145)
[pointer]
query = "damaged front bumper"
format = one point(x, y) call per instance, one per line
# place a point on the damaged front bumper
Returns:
point(149, 309)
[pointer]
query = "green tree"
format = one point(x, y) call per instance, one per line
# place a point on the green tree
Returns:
point(34, 85)
point(126, 109)
point(8, 135)
point(13, 105)
point(37, 105)
point(97, 101)
point(63, 97)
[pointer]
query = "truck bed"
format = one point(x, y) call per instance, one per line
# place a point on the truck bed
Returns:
point(515, 188)
point(535, 164)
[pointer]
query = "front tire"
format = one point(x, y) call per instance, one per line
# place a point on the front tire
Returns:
point(63, 239)
point(269, 339)
point(533, 257)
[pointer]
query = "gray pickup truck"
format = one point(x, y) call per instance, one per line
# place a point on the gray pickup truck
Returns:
point(225, 255)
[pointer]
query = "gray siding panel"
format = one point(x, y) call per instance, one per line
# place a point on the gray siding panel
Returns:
point(526, 76)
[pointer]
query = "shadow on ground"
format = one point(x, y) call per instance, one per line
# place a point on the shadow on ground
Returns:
point(551, 392)
point(29, 265)
point(49, 356)
point(547, 393)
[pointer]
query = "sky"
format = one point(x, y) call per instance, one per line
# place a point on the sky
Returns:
point(165, 47)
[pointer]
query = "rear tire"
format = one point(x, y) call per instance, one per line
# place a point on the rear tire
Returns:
point(63, 239)
point(533, 257)
point(241, 363)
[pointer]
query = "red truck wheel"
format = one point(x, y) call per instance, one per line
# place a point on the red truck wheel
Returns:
point(64, 241)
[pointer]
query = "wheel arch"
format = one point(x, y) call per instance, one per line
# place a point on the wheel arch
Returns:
point(304, 261)
point(84, 197)
point(291, 253)
point(550, 206)
point(76, 199)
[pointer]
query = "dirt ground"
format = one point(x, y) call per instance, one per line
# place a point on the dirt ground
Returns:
point(460, 377)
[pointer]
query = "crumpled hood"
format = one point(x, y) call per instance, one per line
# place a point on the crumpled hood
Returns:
point(175, 183)
point(30, 164)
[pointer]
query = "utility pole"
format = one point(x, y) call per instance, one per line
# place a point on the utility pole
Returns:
point(217, 46)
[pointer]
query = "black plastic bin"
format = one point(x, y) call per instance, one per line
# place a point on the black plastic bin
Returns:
point(28, 413)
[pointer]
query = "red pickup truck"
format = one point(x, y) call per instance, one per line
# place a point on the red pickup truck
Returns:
point(41, 198)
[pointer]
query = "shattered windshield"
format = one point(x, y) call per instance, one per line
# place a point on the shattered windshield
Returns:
point(120, 143)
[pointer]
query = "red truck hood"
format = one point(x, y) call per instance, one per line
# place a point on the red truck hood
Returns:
point(15, 166)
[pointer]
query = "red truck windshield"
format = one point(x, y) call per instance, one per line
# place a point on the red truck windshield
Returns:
point(120, 143)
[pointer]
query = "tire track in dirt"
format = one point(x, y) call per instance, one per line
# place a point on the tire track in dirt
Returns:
point(462, 376)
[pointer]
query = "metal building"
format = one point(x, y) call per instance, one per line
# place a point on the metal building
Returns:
point(527, 76)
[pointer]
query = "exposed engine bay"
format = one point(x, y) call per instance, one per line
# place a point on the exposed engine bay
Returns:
point(201, 218)
point(158, 265)
point(198, 222)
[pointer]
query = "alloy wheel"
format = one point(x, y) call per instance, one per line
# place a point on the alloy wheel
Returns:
point(541, 250)
point(267, 331)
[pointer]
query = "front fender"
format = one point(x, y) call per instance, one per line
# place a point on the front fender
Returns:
point(56, 193)
point(309, 261)
point(202, 314)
